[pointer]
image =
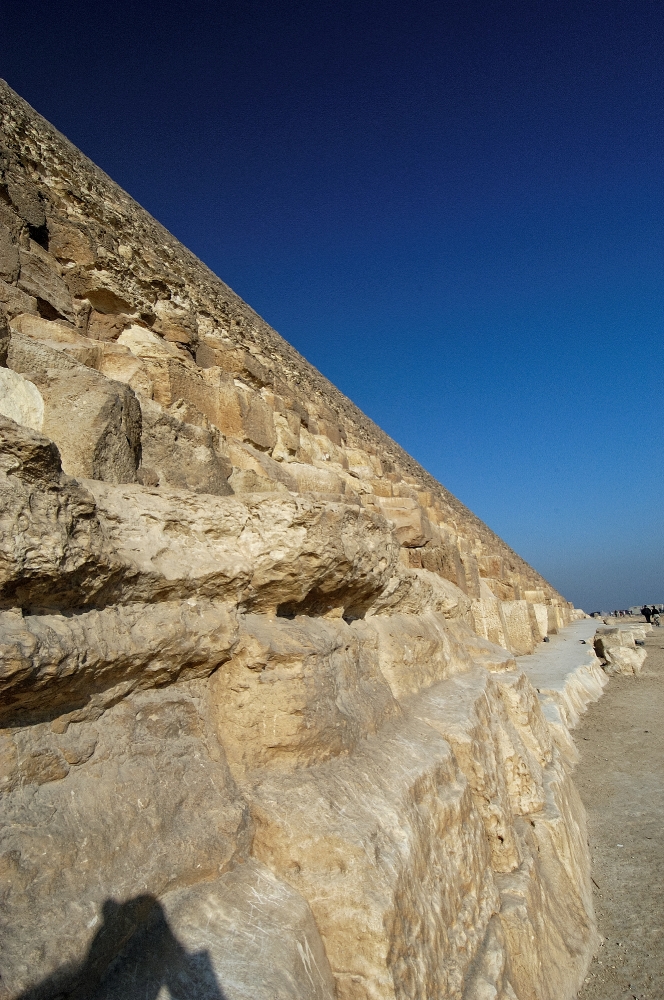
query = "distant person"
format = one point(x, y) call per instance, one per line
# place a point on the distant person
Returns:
point(646, 612)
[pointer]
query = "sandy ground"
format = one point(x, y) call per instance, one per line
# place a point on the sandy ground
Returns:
point(621, 780)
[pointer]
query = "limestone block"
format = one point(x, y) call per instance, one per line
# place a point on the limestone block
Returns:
point(494, 658)
point(107, 326)
point(234, 361)
point(180, 454)
point(127, 647)
point(470, 571)
point(96, 423)
point(488, 617)
point(261, 552)
point(555, 618)
point(25, 198)
point(42, 281)
point(244, 936)
point(415, 592)
point(144, 808)
point(14, 301)
point(10, 264)
point(310, 479)
point(258, 423)
point(392, 860)
point(296, 693)
point(499, 588)
point(542, 618)
point(413, 652)
point(175, 321)
point(547, 913)
point(69, 244)
point(519, 627)
point(59, 336)
point(52, 550)
point(411, 523)
point(254, 471)
point(617, 648)
point(124, 367)
point(287, 438)
point(469, 713)
point(20, 400)
point(100, 287)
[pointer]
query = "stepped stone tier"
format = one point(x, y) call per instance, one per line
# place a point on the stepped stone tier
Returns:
point(262, 730)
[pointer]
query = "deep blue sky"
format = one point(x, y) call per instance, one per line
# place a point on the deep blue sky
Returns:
point(454, 210)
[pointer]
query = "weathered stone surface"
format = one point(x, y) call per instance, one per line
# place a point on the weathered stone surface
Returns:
point(296, 693)
point(145, 808)
point(269, 745)
point(20, 400)
point(14, 301)
point(245, 936)
point(265, 553)
point(181, 454)
point(616, 648)
point(37, 278)
point(392, 861)
point(96, 423)
point(52, 550)
point(126, 647)
point(10, 264)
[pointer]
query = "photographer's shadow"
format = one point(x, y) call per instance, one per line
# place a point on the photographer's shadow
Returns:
point(133, 956)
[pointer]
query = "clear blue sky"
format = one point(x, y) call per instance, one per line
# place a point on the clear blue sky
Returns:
point(454, 210)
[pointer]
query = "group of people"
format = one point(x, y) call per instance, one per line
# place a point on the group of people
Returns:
point(651, 614)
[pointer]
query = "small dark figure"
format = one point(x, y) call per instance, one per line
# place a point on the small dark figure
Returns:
point(646, 612)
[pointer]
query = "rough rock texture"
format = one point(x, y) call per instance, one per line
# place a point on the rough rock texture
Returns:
point(262, 729)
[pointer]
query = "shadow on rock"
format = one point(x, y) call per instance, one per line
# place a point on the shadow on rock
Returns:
point(132, 956)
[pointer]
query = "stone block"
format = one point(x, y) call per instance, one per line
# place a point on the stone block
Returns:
point(14, 301)
point(297, 693)
point(244, 936)
point(20, 400)
point(26, 199)
point(519, 627)
point(52, 550)
point(263, 552)
point(69, 244)
point(158, 813)
point(43, 281)
point(411, 524)
point(180, 454)
point(96, 423)
point(10, 264)
point(310, 479)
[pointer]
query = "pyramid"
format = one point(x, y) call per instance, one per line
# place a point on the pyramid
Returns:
point(264, 730)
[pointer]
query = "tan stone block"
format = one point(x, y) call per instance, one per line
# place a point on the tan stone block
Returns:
point(258, 422)
point(309, 478)
point(20, 400)
point(519, 627)
point(411, 523)
point(96, 423)
point(296, 693)
point(254, 471)
point(107, 326)
point(59, 336)
point(69, 243)
point(287, 442)
point(381, 487)
point(10, 264)
point(14, 301)
point(39, 279)
point(234, 361)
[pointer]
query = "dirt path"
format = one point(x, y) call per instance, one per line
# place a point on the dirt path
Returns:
point(621, 781)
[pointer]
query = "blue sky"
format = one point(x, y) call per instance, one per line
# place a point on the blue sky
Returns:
point(455, 211)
